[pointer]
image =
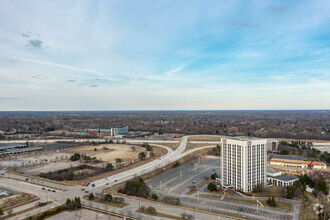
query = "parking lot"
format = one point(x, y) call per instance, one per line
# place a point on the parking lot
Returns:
point(171, 180)
point(245, 210)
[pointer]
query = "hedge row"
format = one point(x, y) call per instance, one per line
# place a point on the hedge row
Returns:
point(47, 213)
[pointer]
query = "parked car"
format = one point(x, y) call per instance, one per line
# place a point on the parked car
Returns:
point(49, 190)
point(194, 182)
point(2, 174)
point(43, 188)
point(87, 184)
point(53, 190)
point(116, 180)
point(26, 179)
point(93, 185)
point(82, 189)
point(86, 191)
point(107, 184)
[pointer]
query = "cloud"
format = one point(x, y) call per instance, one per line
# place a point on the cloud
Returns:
point(171, 72)
point(93, 86)
point(69, 67)
point(71, 80)
point(242, 24)
point(7, 98)
point(39, 77)
point(279, 9)
point(36, 44)
point(25, 35)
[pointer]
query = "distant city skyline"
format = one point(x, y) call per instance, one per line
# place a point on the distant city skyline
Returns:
point(164, 55)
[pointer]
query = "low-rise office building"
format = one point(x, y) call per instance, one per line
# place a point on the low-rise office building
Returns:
point(276, 178)
point(298, 163)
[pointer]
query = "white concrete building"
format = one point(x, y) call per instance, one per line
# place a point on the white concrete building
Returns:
point(278, 179)
point(119, 131)
point(272, 145)
point(243, 162)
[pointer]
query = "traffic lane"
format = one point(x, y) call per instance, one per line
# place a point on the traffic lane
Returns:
point(38, 181)
point(21, 186)
point(171, 180)
point(121, 177)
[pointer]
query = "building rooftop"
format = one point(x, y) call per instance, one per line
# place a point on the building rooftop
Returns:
point(284, 177)
point(269, 170)
point(244, 138)
point(288, 157)
point(312, 163)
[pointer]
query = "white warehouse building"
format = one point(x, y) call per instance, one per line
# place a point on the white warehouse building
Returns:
point(243, 162)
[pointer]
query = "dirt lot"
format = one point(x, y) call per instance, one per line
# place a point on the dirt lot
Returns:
point(112, 152)
point(158, 153)
point(205, 138)
point(16, 200)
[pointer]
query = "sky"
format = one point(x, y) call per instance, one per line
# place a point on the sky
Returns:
point(164, 55)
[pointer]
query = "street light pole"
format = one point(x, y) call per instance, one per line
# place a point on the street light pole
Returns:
point(257, 207)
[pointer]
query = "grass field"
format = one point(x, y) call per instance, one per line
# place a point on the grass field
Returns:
point(205, 138)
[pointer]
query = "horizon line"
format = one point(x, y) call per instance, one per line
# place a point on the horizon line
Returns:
point(163, 110)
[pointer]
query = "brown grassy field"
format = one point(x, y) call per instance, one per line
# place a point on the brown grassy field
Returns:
point(16, 200)
point(205, 138)
point(193, 146)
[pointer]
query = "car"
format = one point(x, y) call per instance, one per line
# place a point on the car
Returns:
point(49, 190)
point(26, 179)
point(82, 189)
point(87, 184)
point(2, 174)
point(86, 191)
point(93, 185)
point(107, 184)
point(194, 182)
point(43, 188)
point(53, 190)
point(116, 180)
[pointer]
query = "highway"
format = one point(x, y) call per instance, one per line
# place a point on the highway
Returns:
point(85, 140)
point(146, 168)
point(172, 155)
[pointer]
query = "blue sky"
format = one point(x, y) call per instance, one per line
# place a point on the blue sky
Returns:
point(164, 55)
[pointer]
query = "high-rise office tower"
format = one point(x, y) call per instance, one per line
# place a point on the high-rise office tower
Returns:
point(243, 162)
